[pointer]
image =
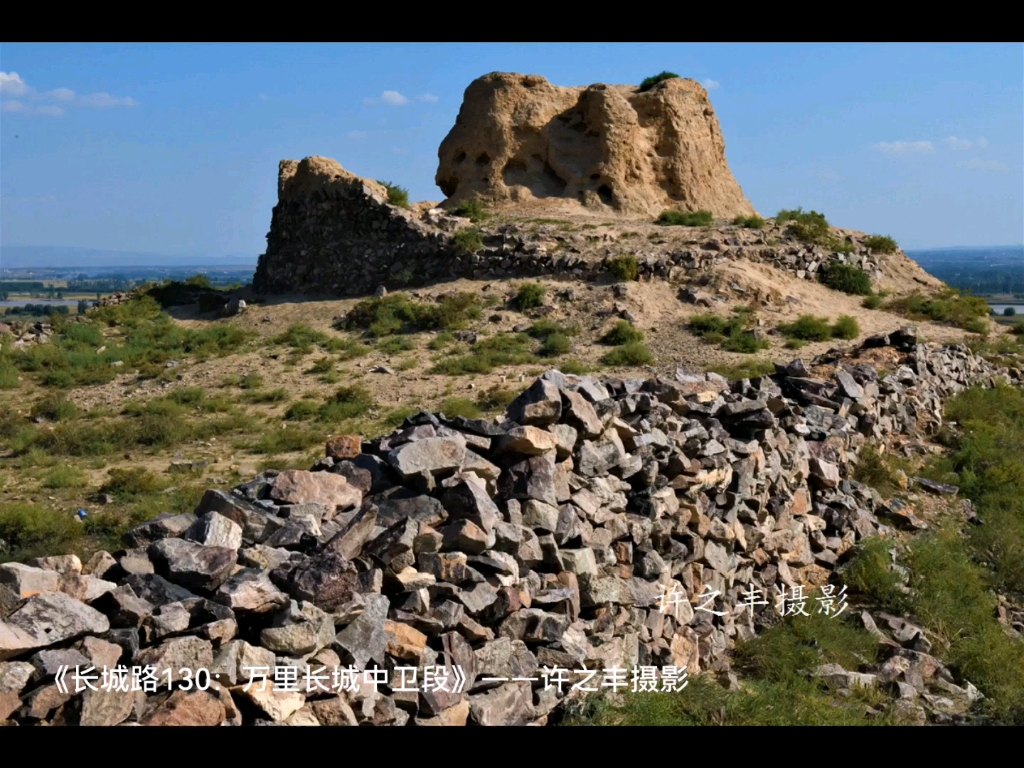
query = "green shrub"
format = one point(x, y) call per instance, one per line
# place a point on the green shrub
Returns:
point(732, 333)
point(749, 222)
point(278, 395)
point(287, 439)
point(64, 476)
point(460, 406)
point(808, 328)
point(302, 410)
point(649, 82)
point(529, 296)
point(846, 327)
point(1017, 329)
point(488, 354)
point(8, 375)
point(468, 239)
point(871, 302)
point(554, 345)
point(810, 227)
point(30, 530)
point(624, 268)
point(55, 408)
point(392, 345)
point(881, 244)
point(301, 336)
point(395, 313)
point(631, 354)
point(441, 340)
point(575, 367)
point(127, 483)
point(846, 278)
point(347, 403)
point(1009, 312)
point(396, 195)
point(471, 209)
point(948, 306)
point(545, 327)
point(686, 218)
point(496, 398)
point(623, 332)
point(747, 370)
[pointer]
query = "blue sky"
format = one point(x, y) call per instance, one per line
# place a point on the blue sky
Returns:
point(174, 149)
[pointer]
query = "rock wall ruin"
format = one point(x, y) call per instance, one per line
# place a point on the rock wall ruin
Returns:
point(544, 541)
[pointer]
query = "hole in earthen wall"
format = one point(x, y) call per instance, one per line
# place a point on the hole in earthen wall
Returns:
point(605, 193)
point(483, 159)
point(554, 178)
point(460, 157)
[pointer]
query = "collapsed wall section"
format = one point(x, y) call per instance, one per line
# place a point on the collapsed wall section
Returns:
point(335, 233)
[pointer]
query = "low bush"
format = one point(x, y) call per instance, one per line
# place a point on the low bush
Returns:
point(396, 195)
point(649, 82)
point(623, 332)
point(633, 353)
point(529, 296)
point(686, 218)
point(749, 222)
point(624, 268)
point(846, 278)
point(468, 239)
point(881, 244)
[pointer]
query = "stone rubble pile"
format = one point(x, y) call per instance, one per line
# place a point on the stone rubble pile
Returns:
point(26, 333)
point(545, 541)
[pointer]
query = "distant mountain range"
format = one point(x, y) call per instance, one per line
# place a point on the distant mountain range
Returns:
point(61, 257)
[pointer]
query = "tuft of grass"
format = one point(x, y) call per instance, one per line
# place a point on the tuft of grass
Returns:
point(871, 574)
point(278, 395)
point(881, 244)
point(8, 375)
point(496, 398)
point(872, 302)
point(649, 82)
point(749, 222)
point(751, 369)
point(30, 530)
point(396, 195)
point(529, 296)
point(808, 328)
point(685, 218)
point(392, 345)
point(347, 403)
point(624, 268)
point(471, 209)
point(846, 278)
point(55, 407)
point(441, 340)
point(64, 476)
point(575, 367)
point(395, 313)
point(468, 239)
point(488, 354)
point(302, 410)
point(634, 353)
point(733, 334)
point(948, 306)
point(623, 332)
point(554, 345)
point(460, 406)
point(125, 484)
point(845, 327)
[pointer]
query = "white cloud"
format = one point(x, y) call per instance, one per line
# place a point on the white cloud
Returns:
point(357, 134)
point(11, 84)
point(710, 84)
point(954, 143)
point(264, 97)
point(982, 143)
point(389, 98)
point(393, 99)
point(428, 97)
point(905, 147)
point(106, 101)
point(983, 165)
